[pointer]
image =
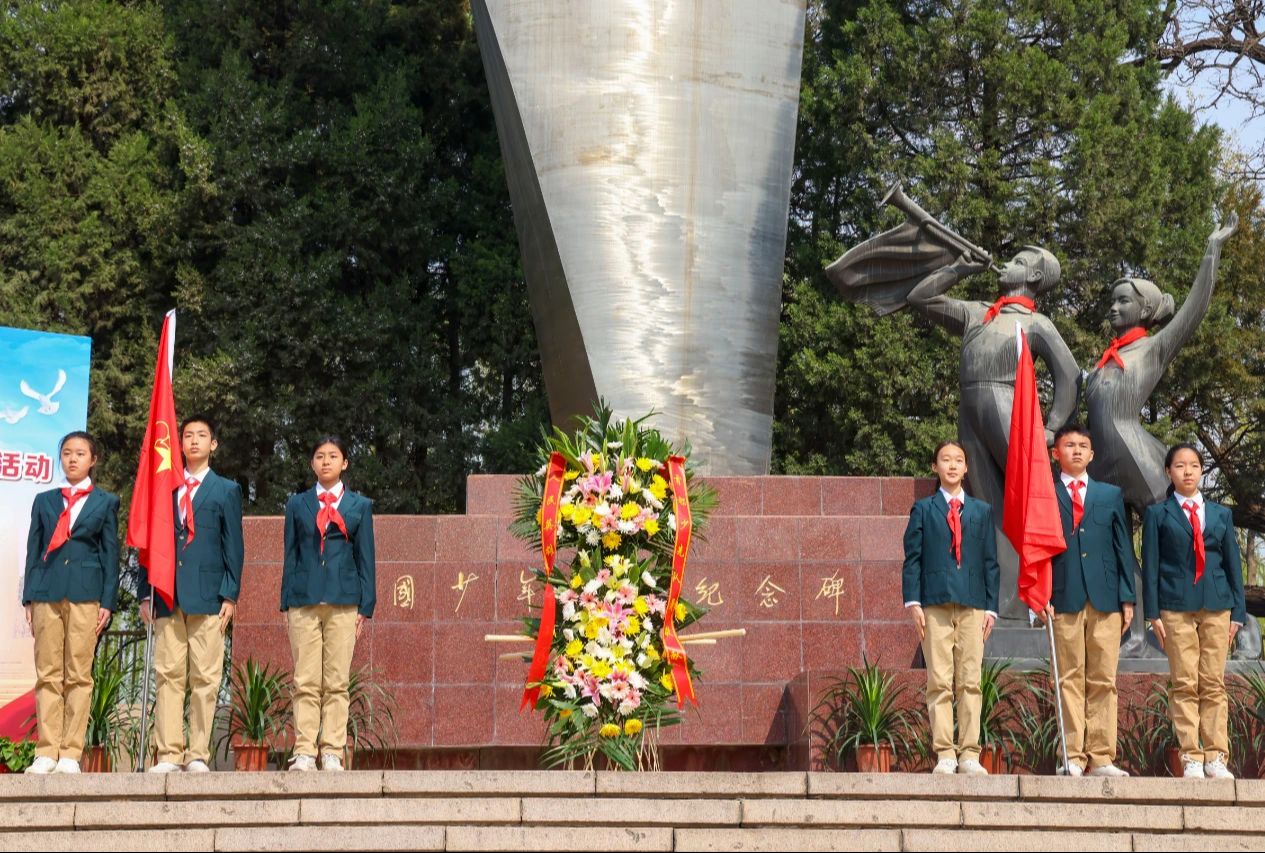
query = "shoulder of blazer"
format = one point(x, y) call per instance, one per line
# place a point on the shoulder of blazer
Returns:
point(1222, 510)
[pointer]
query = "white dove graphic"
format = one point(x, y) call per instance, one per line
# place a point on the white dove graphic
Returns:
point(12, 416)
point(47, 406)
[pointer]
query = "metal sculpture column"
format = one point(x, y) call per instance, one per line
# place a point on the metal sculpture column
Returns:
point(648, 147)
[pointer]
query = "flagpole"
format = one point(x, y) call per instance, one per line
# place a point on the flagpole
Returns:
point(149, 664)
point(1058, 691)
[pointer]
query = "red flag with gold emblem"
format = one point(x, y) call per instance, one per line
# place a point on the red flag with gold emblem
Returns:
point(151, 524)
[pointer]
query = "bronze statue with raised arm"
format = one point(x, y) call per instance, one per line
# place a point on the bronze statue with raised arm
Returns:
point(1148, 335)
point(915, 265)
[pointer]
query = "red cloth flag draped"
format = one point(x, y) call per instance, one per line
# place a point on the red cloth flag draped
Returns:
point(151, 524)
point(15, 717)
point(1032, 522)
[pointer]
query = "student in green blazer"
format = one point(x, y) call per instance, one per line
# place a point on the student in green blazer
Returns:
point(69, 591)
point(189, 639)
point(1192, 578)
point(327, 591)
point(1091, 606)
point(950, 583)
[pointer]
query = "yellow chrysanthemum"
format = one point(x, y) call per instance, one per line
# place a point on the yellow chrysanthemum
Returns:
point(576, 581)
point(645, 465)
point(609, 730)
point(574, 648)
point(652, 527)
point(564, 713)
point(570, 475)
point(540, 517)
point(666, 681)
point(546, 690)
point(619, 652)
point(611, 540)
point(629, 511)
point(652, 653)
point(627, 667)
point(567, 511)
point(582, 516)
point(680, 612)
point(600, 669)
point(641, 606)
point(591, 629)
point(659, 487)
point(632, 726)
point(633, 626)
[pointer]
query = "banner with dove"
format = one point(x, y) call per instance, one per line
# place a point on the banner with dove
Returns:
point(43, 396)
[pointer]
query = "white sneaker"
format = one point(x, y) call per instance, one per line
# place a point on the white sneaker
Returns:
point(1107, 770)
point(946, 766)
point(303, 763)
point(1073, 770)
point(66, 765)
point(197, 765)
point(330, 761)
point(1216, 769)
point(971, 767)
point(165, 767)
point(42, 766)
point(1192, 769)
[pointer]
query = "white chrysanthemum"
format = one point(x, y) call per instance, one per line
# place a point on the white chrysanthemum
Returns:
point(648, 580)
point(614, 445)
point(627, 707)
point(642, 661)
point(589, 710)
point(615, 492)
point(636, 679)
point(568, 613)
point(672, 520)
point(544, 469)
point(654, 502)
point(592, 537)
point(602, 510)
point(593, 586)
point(568, 634)
point(569, 691)
point(628, 528)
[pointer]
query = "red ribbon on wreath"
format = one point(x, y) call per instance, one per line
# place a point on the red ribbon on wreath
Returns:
point(673, 650)
point(550, 509)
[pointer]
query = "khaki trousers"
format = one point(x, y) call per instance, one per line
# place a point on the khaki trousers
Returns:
point(322, 639)
point(188, 655)
point(953, 647)
point(1088, 645)
point(65, 640)
point(1197, 646)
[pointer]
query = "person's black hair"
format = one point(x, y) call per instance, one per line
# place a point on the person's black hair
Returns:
point(198, 419)
point(1072, 429)
point(1172, 453)
point(93, 447)
point(948, 442)
point(330, 439)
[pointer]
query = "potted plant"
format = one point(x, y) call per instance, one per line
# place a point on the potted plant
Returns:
point(996, 714)
point(1247, 724)
point(259, 702)
point(1034, 725)
point(16, 755)
point(110, 718)
point(862, 714)
point(370, 717)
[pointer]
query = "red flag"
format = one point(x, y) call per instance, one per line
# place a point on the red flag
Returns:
point(1032, 522)
point(151, 524)
point(15, 717)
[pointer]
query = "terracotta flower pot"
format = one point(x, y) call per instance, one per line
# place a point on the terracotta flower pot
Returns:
point(1173, 758)
point(95, 760)
point(992, 759)
point(250, 757)
point(873, 758)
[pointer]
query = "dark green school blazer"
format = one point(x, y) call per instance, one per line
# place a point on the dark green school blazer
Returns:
point(1168, 562)
point(208, 569)
point(345, 573)
point(931, 575)
point(1098, 564)
point(86, 567)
